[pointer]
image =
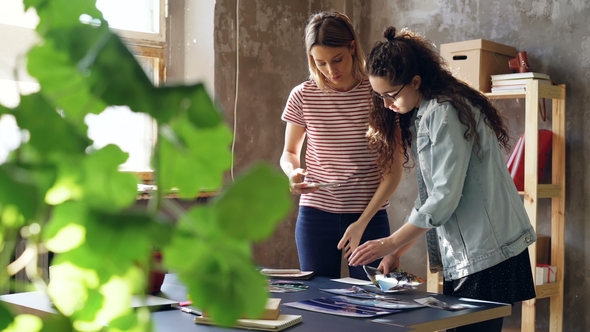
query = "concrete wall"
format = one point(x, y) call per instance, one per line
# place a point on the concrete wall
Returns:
point(272, 61)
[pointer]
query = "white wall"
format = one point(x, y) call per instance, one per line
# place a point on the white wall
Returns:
point(199, 52)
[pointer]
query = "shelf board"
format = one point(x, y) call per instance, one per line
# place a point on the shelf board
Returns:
point(546, 191)
point(548, 290)
point(545, 91)
point(505, 95)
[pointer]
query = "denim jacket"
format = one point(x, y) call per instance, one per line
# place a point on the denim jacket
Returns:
point(470, 197)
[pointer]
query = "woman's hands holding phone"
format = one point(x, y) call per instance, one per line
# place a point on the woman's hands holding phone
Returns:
point(298, 186)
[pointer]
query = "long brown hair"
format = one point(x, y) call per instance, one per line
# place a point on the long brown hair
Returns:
point(332, 29)
point(399, 59)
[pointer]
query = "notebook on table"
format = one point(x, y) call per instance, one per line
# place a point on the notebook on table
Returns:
point(154, 303)
point(279, 324)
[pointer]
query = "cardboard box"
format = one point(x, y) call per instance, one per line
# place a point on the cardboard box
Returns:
point(545, 274)
point(474, 61)
point(543, 249)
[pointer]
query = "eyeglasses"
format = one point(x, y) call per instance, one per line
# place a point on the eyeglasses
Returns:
point(388, 97)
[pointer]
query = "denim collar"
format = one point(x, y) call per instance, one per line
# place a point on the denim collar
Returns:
point(422, 108)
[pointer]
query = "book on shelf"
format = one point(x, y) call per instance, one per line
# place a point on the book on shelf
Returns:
point(520, 82)
point(521, 88)
point(279, 324)
point(503, 86)
point(513, 76)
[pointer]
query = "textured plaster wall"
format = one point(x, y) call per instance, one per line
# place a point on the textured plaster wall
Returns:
point(272, 61)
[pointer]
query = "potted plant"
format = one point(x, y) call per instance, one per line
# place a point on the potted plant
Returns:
point(63, 196)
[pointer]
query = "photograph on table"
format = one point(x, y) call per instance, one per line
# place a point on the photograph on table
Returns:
point(335, 306)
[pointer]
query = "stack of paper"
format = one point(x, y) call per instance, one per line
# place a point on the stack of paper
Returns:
point(287, 273)
point(272, 310)
point(281, 323)
point(516, 81)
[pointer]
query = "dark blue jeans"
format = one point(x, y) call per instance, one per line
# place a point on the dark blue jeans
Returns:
point(318, 232)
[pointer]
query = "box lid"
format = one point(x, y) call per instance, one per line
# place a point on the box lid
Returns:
point(478, 44)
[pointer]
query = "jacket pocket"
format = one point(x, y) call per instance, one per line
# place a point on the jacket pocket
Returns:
point(423, 144)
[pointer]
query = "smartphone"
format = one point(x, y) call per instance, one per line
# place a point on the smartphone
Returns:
point(322, 184)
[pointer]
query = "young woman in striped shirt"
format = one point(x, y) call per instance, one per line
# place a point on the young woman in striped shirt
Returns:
point(331, 111)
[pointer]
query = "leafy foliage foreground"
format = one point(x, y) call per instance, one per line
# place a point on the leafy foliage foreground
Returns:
point(59, 194)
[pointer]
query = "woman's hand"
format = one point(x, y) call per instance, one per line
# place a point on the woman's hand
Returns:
point(389, 263)
point(370, 251)
point(351, 238)
point(299, 187)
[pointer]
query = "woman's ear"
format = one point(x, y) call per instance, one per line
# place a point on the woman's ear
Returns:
point(352, 47)
point(416, 81)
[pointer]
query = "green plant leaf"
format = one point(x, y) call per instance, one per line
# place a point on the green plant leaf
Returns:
point(200, 165)
point(4, 110)
point(252, 207)
point(55, 14)
point(66, 230)
point(109, 58)
point(6, 317)
point(42, 174)
point(104, 247)
point(25, 322)
point(243, 294)
point(107, 243)
point(70, 176)
point(192, 99)
point(53, 323)
point(104, 185)
point(125, 238)
point(129, 323)
point(111, 66)
point(75, 292)
point(185, 252)
point(48, 131)
point(195, 232)
point(97, 180)
point(19, 197)
point(62, 82)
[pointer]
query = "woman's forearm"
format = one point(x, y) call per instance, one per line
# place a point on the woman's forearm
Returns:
point(288, 162)
point(382, 194)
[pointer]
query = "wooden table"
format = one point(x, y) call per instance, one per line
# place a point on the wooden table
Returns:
point(421, 319)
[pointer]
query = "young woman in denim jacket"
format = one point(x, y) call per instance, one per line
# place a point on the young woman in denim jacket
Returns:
point(477, 229)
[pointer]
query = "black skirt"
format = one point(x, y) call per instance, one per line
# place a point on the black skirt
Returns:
point(508, 282)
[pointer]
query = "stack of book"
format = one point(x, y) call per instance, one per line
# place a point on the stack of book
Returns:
point(516, 81)
point(271, 319)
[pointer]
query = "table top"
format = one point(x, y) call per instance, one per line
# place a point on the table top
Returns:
point(420, 319)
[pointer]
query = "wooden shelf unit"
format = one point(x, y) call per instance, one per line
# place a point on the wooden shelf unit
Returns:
point(533, 191)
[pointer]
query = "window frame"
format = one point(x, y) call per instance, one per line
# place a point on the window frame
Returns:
point(147, 37)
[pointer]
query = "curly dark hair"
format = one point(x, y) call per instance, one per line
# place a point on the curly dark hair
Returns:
point(399, 59)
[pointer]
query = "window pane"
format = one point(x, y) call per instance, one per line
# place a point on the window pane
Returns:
point(13, 13)
point(10, 136)
point(134, 15)
point(131, 131)
point(10, 133)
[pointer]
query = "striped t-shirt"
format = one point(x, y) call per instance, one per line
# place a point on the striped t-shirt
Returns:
point(336, 124)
